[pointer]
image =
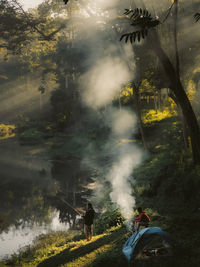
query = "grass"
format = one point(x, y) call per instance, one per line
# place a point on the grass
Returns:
point(71, 250)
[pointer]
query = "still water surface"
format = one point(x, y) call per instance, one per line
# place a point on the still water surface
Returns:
point(17, 238)
point(26, 190)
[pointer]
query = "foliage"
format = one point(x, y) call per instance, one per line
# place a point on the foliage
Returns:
point(197, 17)
point(7, 131)
point(153, 116)
point(109, 218)
point(18, 27)
point(168, 184)
point(15, 26)
point(32, 136)
point(140, 18)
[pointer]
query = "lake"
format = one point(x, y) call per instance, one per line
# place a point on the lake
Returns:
point(31, 189)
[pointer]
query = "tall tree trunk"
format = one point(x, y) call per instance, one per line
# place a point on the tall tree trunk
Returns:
point(120, 104)
point(176, 40)
point(180, 94)
point(138, 111)
point(177, 64)
point(155, 99)
point(74, 192)
point(185, 128)
point(159, 100)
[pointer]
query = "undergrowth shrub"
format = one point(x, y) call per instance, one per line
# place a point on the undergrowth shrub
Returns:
point(110, 217)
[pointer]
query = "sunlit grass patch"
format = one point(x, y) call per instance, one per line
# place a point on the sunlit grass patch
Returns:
point(84, 242)
point(87, 259)
point(102, 248)
point(43, 247)
point(7, 131)
point(152, 115)
point(61, 245)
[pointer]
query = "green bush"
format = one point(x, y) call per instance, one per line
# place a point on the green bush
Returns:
point(31, 136)
point(110, 217)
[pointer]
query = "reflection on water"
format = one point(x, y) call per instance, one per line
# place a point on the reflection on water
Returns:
point(29, 186)
point(16, 238)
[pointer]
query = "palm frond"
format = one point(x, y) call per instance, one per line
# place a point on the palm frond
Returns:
point(197, 17)
point(139, 18)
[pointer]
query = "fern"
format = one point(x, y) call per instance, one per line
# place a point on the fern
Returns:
point(139, 18)
point(197, 17)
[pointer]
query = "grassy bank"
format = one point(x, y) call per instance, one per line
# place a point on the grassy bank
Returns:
point(71, 249)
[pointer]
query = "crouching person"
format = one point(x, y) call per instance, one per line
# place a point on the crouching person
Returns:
point(141, 220)
point(88, 221)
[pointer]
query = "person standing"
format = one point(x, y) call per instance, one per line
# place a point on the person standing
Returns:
point(88, 221)
point(142, 219)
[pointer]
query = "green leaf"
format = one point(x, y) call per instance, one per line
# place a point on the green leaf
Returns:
point(131, 38)
point(126, 40)
point(134, 36)
point(197, 17)
point(138, 36)
point(143, 34)
point(122, 36)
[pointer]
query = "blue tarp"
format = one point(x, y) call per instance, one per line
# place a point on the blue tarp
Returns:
point(132, 242)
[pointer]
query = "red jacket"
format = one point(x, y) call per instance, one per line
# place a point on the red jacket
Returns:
point(142, 217)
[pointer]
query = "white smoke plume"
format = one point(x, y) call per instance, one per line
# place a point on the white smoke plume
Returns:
point(129, 156)
point(119, 177)
point(100, 85)
point(104, 81)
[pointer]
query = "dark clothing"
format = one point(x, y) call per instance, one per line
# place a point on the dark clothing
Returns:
point(89, 217)
point(141, 220)
point(142, 217)
point(88, 229)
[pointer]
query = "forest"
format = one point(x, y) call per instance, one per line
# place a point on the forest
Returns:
point(100, 103)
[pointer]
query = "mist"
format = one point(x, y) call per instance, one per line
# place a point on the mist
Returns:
point(104, 81)
point(107, 73)
point(129, 156)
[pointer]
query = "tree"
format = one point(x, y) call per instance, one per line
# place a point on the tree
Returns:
point(17, 26)
point(138, 111)
point(14, 26)
point(143, 20)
